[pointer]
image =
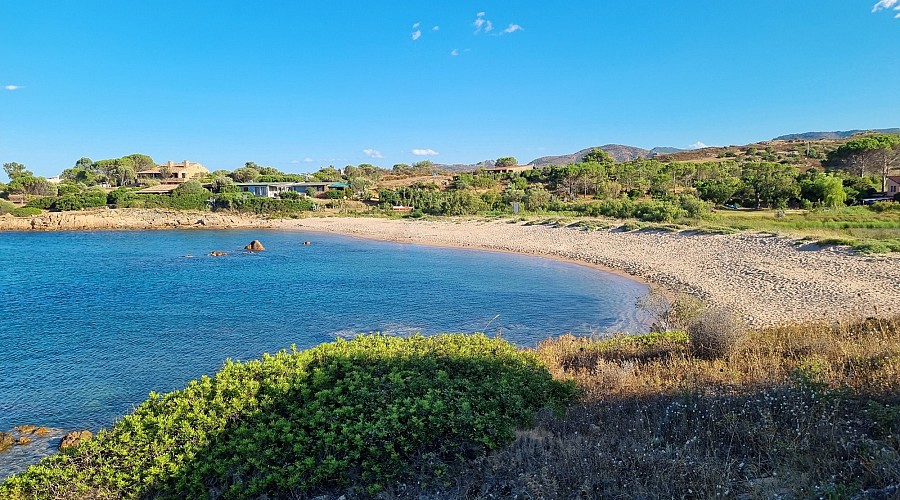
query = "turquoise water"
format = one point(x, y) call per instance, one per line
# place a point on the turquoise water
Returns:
point(93, 321)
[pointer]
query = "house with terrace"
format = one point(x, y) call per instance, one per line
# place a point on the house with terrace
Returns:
point(172, 173)
point(274, 189)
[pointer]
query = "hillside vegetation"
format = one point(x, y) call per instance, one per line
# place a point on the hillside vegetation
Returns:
point(708, 410)
point(361, 414)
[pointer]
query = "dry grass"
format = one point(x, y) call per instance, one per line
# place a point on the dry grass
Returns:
point(805, 411)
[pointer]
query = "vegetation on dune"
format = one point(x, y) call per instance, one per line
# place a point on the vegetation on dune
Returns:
point(800, 411)
point(363, 413)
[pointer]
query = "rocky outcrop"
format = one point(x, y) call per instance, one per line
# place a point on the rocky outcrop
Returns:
point(6, 441)
point(255, 246)
point(129, 218)
point(74, 438)
point(42, 431)
point(25, 429)
point(216, 253)
point(23, 440)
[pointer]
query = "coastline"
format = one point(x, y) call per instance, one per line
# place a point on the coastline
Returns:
point(768, 279)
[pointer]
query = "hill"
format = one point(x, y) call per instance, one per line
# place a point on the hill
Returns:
point(811, 136)
point(619, 152)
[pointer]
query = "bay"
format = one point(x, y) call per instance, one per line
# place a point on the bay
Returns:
point(93, 321)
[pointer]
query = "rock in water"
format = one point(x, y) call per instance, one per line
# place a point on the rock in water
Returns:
point(74, 438)
point(23, 440)
point(6, 441)
point(255, 246)
point(42, 431)
point(26, 429)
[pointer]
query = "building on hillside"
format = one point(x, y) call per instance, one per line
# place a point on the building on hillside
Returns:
point(172, 173)
point(509, 170)
point(893, 185)
point(265, 189)
point(273, 189)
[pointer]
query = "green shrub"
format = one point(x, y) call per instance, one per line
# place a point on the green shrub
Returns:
point(6, 207)
point(26, 212)
point(369, 411)
point(65, 188)
point(68, 202)
point(658, 211)
point(43, 203)
point(120, 197)
point(93, 198)
point(885, 206)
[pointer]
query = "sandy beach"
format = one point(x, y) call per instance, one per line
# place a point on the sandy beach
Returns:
point(768, 279)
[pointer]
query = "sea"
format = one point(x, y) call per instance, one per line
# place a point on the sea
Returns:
point(92, 321)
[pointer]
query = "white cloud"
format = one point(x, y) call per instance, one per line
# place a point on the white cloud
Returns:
point(416, 25)
point(436, 28)
point(512, 28)
point(372, 153)
point(888, 5)
point(698, 145)
point(12, 87)
point(482, 24)
point(308, 160)
point(416, 34)
point(424, 152)
point(454, 52)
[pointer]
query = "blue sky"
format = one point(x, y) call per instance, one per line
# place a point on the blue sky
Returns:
point(299, 85)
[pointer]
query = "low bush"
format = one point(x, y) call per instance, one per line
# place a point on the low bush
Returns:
point(368, 411)
point(26, 212)
point(43, 202)
point(6, 207)
point(716, 333)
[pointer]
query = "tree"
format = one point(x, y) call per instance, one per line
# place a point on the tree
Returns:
point(190, 188)
point(222, 184)
point(719, 191)
point(245, 174)
point(506, 161)
point(165, 172)
point(328, 174)
point(773, 183)
point(141, 162)
point(29, 184)
point(85, 163)
point(125, 171)
point(598, 156)
point(360, 186)
point(14, 170)
point(872, 154)
point(832, 189)
point(536, 198)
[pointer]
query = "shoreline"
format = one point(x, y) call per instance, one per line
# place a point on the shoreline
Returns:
point(768, 279)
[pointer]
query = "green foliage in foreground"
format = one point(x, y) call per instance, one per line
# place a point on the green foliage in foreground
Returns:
point(367, 411)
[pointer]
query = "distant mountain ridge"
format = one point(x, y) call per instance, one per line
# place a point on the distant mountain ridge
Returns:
point(812, 136)
point(619, 152)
